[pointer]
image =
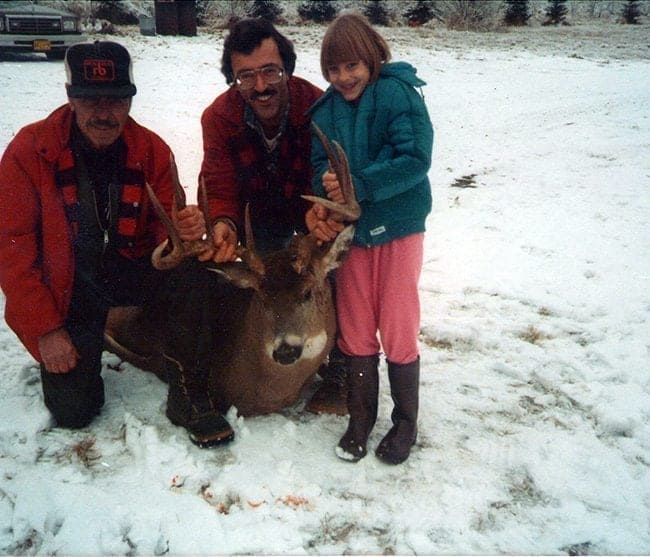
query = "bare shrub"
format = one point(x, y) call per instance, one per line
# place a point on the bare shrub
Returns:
point(469, 15)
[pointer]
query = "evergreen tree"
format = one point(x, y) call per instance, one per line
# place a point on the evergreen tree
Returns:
point(423, 11)
point(516, 12)
point(319, 11)
point(266, 9)
point(556, 12)
point(376, 12)
point(631, 12)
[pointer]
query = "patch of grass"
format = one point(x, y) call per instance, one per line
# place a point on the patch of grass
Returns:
point(439, 344)
point(332, 531)
point(466, 181)
point(83, 451)
point(533, 335)
point(523, 489)
point(29, 545)
point(583, 548)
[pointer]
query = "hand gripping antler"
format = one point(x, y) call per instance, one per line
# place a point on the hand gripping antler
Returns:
point(181, 250)
point(304, 248)
point(339, 164)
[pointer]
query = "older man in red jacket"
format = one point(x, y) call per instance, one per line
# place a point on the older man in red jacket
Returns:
point(78, 229)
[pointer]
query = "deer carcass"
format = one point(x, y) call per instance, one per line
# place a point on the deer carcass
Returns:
point(274, 325)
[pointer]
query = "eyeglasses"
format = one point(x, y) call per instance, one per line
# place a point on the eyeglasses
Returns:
point(111, 103)
point(270, 74)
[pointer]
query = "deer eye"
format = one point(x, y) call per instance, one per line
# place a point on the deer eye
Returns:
point(307, 295)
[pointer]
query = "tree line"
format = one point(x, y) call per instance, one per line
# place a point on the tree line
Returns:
point(454, 14)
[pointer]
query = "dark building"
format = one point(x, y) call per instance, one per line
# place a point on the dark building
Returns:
point(175, 17)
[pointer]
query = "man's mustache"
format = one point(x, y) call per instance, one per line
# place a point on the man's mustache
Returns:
point(255, 94)
point(104, 124)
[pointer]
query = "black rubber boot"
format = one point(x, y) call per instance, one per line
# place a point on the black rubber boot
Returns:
point(404, 386)
point(363, 391)
point(189, 405)
point(331, 397)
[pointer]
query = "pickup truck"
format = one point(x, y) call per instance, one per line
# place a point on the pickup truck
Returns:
point(34, 28)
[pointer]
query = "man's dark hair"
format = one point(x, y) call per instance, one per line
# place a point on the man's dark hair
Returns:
point(246, 35)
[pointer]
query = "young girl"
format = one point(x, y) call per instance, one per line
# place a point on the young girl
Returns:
point(372, 108)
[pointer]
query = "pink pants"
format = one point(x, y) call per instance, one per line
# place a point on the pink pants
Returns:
point(377, 290)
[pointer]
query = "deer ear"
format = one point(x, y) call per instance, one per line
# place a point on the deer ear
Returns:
point(238, 275)
point(337, 251)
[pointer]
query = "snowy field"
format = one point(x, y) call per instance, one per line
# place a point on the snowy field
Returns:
point(535, 391)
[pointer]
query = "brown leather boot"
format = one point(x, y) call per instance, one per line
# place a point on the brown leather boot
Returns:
point(331, 397)
point(189, 405)
point(395, 447)
point(363, 392)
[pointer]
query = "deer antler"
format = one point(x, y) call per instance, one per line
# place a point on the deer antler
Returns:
point(340, 166)
point(183, 249)
point(248, 254)
point(179, 192)
point(180, 250)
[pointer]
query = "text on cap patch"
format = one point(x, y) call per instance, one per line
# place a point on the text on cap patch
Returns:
point(99, 70)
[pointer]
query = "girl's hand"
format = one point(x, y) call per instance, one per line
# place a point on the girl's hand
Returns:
point(333, 188)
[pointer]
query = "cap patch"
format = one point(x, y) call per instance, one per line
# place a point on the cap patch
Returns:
point(99, 70)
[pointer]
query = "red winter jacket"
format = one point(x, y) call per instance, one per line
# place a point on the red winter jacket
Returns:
point(38, 202)
point(234, 166)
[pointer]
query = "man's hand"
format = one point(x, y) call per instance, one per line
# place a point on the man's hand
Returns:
point(58, 353)
point(333, 188)
point(225, 244)
point(189, 222)
point(321, 225)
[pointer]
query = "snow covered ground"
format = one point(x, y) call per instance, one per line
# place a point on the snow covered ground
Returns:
point(535, 392)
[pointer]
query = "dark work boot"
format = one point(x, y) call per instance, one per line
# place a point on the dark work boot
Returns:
point(404, 386)
point(189, 405)
point(331, 397)
point(363, 391)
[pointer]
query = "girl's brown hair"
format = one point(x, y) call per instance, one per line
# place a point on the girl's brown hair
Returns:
point(349, 38)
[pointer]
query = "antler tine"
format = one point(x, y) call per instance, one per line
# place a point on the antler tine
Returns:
point(339, 164)
point(205, 209)
point(172, 259)
point(342, 171)
point(325, 142)
point(179, 192)
point(250, 239)
point(248, 254)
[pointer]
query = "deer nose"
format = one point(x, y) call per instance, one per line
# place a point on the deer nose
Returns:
point(286, 354)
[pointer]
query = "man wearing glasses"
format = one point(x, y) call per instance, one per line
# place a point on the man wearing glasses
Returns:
point(78, 229)
point(257, 140)
point(256, 152)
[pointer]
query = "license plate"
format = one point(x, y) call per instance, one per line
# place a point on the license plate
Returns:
point(42, 45)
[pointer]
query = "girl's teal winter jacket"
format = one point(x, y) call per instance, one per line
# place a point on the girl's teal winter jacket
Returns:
point(388, 138)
